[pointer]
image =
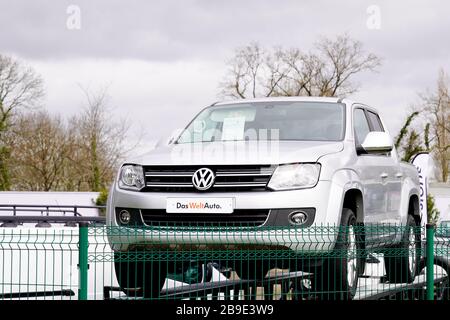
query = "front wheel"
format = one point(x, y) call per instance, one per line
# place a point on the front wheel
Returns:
point(138, 277)
point(402, 263)
point(338, 277)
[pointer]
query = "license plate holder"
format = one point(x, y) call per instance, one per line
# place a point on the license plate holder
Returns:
point(200, 205)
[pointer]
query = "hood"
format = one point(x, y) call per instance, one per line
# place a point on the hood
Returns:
point(239, 152)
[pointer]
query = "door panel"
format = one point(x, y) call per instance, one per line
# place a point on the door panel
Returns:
point(382, 187)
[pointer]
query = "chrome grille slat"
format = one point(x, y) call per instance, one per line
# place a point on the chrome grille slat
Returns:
point(169, 185)
point(234, 185)
point(168, 175)
point(220, 174)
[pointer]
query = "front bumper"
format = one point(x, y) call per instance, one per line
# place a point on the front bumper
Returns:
point(325, 198)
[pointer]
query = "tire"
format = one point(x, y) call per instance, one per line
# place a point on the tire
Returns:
point(189, 272)
point(442, 289)
point(337, 278)
point(402, 265)
point(362, 252)
point(139, 278)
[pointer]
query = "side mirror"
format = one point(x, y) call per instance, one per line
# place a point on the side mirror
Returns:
point(377, 142)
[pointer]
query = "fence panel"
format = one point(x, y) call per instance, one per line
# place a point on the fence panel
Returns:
point(38, 263)
point(223, 263)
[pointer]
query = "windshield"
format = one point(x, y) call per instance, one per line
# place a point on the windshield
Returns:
point(311, 121)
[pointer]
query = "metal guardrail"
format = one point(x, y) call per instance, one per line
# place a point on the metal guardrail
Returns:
point(14, 208)
point(26, 213)
point(37, 294)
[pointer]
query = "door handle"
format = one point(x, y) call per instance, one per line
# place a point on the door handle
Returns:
point(399, 175)
point(384, 175)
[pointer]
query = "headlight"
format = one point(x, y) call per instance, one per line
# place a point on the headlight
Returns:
point(295, 176)
point(131, 177)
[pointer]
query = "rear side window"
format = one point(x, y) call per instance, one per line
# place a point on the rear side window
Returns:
point(375, 121)
point(360, 125)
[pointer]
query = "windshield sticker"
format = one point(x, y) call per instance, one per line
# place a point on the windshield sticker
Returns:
point(233, 128)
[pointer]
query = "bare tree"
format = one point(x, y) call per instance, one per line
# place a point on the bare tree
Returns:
point(81, 154)
point(41, 146)
point(100, 143)
point(328, 70)
point(20, 87)
point(341, 59)
point(245, 67)
point(436, 105)
point(295, 73)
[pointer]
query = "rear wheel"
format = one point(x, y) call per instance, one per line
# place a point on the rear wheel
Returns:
point(442, 272)
point(138, 278)
point(402, 263)
point(338, 277)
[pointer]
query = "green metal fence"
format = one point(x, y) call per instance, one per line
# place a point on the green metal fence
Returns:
point(164, 262)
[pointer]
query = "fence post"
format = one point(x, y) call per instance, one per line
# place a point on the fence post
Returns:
point(430, 261)
point(83, 244)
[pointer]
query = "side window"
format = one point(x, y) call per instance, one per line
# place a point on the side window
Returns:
point(360, 124)
point(375, 121)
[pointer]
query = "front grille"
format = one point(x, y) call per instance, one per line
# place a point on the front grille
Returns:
point(228, 178)
point(239, 218)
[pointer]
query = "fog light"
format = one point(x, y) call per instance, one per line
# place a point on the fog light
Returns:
point(124, 217)
point(298, 218)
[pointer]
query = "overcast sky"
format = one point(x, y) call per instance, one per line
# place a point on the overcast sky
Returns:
point(163, 60)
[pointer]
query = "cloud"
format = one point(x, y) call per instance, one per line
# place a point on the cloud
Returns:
point(164, 59)
point(173, 30)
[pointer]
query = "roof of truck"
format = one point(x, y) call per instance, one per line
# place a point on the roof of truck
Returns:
point(305, 99)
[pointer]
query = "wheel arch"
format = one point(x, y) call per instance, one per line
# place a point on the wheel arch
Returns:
point(414, 207)
point(353, 199)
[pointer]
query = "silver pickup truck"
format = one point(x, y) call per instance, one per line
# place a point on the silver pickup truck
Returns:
point(284, 163)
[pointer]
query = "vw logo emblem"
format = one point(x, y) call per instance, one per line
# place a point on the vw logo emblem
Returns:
point(203, 179)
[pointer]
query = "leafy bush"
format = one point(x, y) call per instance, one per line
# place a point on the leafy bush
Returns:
point(433, 212)
point(101, 200)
